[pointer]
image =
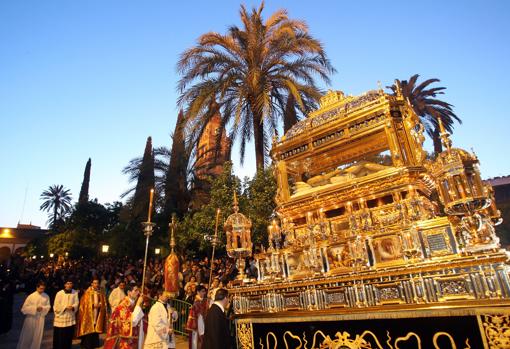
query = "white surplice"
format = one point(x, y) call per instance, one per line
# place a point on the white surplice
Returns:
point(157, 331)
point(33, 326)
point(116, 297)
point(65, 317)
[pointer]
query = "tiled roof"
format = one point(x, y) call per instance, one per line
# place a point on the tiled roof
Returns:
point(497, 181)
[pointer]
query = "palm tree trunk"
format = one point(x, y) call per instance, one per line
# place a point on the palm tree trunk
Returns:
point(436, 139)
point(258, 135)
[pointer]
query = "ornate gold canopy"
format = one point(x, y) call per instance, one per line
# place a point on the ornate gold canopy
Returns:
point(368, 220)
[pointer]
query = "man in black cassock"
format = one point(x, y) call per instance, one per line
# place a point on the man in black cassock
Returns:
point(217, 332)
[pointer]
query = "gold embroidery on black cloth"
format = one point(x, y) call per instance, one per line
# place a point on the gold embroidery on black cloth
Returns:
point(367, 340)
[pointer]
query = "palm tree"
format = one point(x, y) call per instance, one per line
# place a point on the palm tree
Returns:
point(251, 71)
point(428, 107)
point(58, 199)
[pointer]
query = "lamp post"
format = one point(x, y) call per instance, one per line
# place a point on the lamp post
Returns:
point(104, 249)
point(157, 250)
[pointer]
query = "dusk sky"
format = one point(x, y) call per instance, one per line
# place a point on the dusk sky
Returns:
point(95, 78)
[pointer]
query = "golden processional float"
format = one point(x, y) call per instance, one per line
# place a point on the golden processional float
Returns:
point(375, 245)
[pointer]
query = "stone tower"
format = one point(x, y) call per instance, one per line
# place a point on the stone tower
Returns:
point(209, 161)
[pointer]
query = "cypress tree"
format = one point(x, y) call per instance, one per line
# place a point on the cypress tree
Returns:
point(289, 115)
point(176, 190)
point(144, 184)
point(84, 191)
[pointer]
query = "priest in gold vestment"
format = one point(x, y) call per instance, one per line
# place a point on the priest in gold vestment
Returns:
point(91, 316)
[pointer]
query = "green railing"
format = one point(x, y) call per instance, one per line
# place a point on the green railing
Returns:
point(182, 309)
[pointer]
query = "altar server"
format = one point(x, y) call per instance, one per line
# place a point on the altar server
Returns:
point(65, 307)
point(159, 329)
point(36, 306)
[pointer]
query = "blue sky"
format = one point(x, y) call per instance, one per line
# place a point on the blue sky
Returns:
point(94, 78)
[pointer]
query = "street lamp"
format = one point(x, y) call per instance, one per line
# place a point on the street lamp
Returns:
point(105, 248)
point(51, 255)
point(157, 250)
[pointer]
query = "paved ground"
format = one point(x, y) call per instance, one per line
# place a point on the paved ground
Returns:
point(9, 340)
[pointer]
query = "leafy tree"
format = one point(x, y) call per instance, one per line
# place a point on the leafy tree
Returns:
point(259, 203)
point(85, 229)
point(195, 225)
point(73, 242)
point(91, 217)
point(256, 201)
point(424, 100)
point(37, 247)
point(57, 200)
point(84, 191)
point(114, 210)
point(250, 71)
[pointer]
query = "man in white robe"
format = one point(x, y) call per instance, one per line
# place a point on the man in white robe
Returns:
point(65, 307)
point(36, 306)
point(159, 329)
point(117, 295)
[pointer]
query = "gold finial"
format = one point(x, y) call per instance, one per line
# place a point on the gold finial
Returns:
point(236, 203)
point(445, 137)
point(398, 88)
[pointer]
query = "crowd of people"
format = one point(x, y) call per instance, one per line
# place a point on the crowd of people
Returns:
point(95, 290)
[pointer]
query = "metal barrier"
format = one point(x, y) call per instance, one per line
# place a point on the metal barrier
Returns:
point(182, 309)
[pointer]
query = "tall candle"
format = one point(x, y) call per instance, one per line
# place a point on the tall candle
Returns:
point(151, 197)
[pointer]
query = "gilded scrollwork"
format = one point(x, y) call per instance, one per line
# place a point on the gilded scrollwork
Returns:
point(497, 330)
point(245, 335)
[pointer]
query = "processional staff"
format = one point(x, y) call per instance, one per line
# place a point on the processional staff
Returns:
point(148, 226)
point(214, 242)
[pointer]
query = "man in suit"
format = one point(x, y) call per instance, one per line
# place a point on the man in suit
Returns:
point(217, 332)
